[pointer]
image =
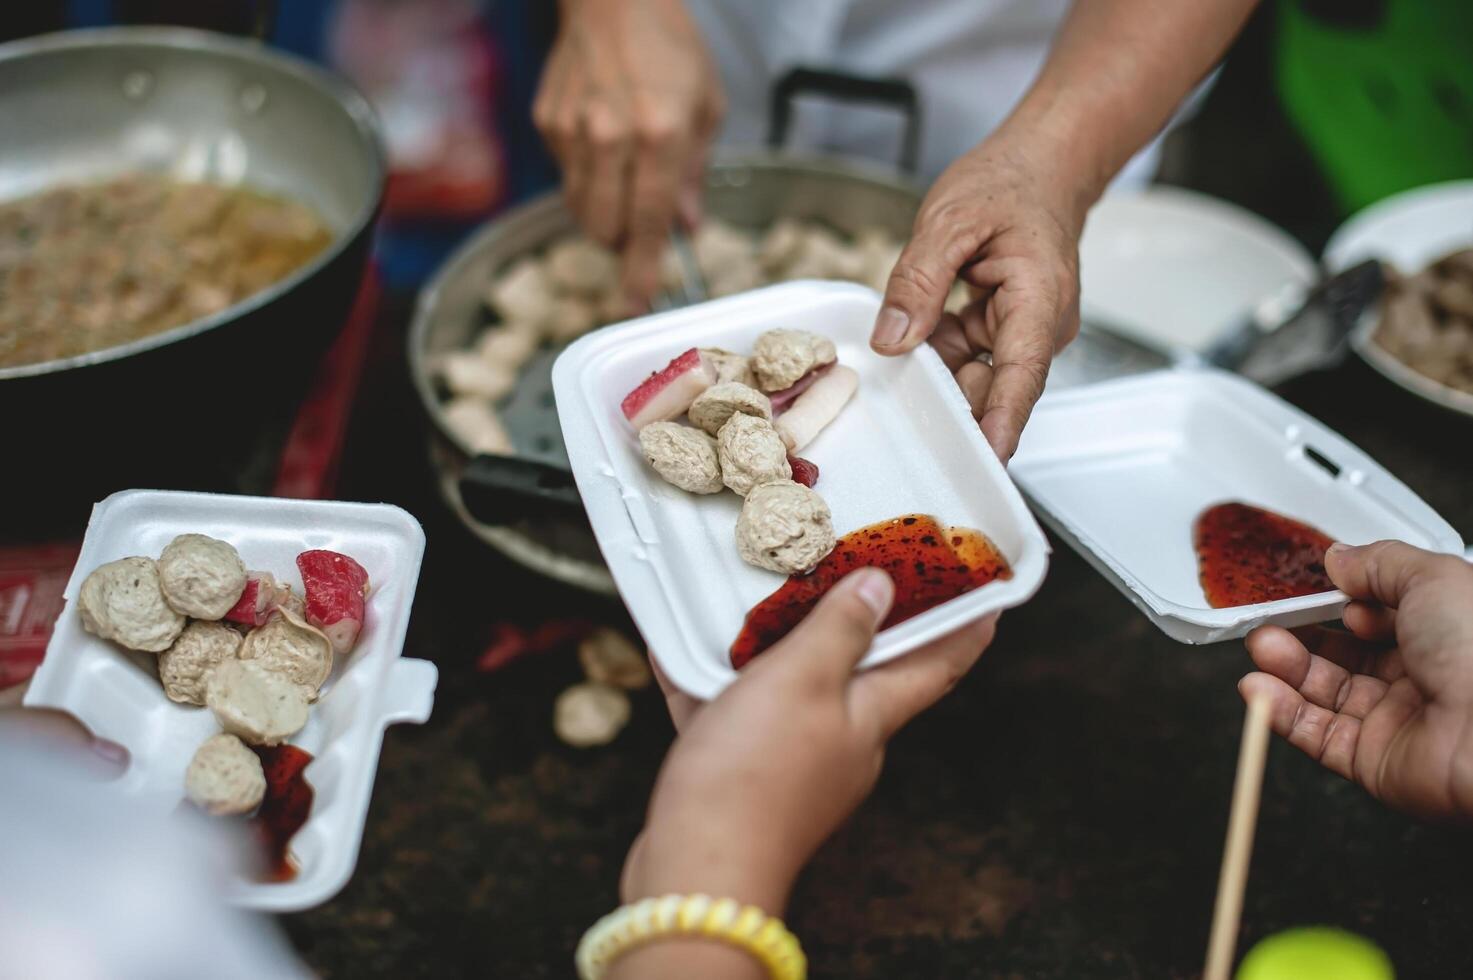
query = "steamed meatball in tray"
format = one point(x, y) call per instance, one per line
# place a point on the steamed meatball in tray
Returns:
point(156, 698)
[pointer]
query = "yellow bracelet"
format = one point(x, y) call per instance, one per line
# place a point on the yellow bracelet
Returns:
point(745, 927)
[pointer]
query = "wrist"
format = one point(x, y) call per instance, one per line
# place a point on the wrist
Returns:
point(679, 858)
point(1058, 147)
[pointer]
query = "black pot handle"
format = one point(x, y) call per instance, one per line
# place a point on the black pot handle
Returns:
point(504, 489)
point(896, 93)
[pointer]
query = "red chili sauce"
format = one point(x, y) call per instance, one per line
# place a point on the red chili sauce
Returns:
point(1246, 554)
point(928, 563)
point(285, 808)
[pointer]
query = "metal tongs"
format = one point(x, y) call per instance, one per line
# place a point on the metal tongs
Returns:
point(1295, 330)
point(492, 487)
point(692, 288)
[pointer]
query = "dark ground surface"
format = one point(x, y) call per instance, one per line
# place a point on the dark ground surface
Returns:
point(1060, 815)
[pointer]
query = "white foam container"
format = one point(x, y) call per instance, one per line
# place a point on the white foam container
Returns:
point(906, 444)
point(116, 693)
point(1121, 469)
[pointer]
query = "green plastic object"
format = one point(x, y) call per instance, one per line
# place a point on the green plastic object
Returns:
point(1315, 953)
point(1382, 92)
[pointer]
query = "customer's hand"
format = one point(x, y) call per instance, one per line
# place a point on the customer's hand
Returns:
point(1389, 704)
point(628, 104)
point(1007, 223)
point(760, 776)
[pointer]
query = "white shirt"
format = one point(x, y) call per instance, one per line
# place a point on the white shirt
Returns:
point(969, 60)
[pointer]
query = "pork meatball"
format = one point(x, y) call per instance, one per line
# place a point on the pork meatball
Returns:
point(508, 346)
point(751, 452)
point(466, 374)
point(475, 423)
point(569, 318)
point(729, 366)
point(185, 667)
point(287, 645)
point(608, 657)
point(201, 576)
point(523, 293)
point(225, 777)
point(716, 404)
point(261, 706)
point(684, 456)
point(590, 714)
point(781, 357)
point(784, 527)
point(582, 267)
point(123, 601)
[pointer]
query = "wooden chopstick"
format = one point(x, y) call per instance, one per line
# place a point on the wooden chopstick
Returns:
point(1238, 851)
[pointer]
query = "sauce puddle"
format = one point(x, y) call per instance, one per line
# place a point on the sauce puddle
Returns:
point(1247, 555)
point(285, 808)
point(928, 563)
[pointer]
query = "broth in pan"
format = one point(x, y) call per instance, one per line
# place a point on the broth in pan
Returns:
point(88, 267)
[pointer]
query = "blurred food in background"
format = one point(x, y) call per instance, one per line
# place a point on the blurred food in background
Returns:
point(1427, 320)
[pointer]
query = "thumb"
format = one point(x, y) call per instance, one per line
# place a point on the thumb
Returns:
point(831, 641)
point(1384, 571)
point(915, 295)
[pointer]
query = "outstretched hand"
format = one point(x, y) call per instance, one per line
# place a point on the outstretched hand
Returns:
point(760, 776)
point(1388, 704)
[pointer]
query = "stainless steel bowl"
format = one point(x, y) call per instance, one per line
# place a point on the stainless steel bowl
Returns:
point(750, 190)
point(91, 105)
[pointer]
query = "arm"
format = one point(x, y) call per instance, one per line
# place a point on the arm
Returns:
point(1006, 217)
point(762, 775)
point(1117, 71)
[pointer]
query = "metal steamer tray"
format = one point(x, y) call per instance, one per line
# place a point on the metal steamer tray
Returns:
point(748, 190)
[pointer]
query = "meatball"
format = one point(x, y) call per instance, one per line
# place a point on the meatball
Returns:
point(590, 714)
point(508, 346)
point(608, 657)
point(523, 293)
point(289, 646)
point(684, 456)
point(751, 452)
point(784, 527)
point(225, 777)
point(201, 576)
point(123, 601)
point(569, 318)
point(467, 374)
point(781, 357)
point(729, 366)
point(475, 423)
point(259, 705)
point(185, 667)
point(720, 402)
point(582, 267)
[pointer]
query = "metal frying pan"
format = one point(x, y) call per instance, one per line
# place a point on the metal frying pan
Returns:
point(90, 105)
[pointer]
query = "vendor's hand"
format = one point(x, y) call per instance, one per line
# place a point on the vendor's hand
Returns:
point(628, 104)
point(759, 777)
point(1004, 221)
point(1389, 704)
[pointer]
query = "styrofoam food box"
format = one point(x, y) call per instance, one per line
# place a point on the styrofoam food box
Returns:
point(116, 692)
point(906, 444)
point(1121, 469)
